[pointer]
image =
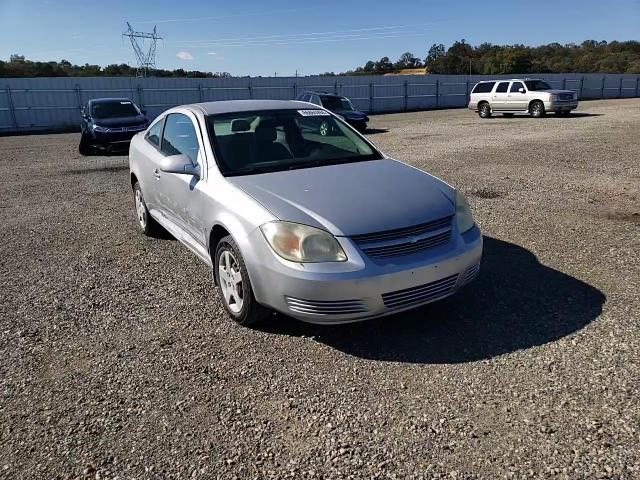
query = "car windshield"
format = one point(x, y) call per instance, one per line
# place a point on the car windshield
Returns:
point(114, 109)
point(335, 103)
point(537, 85)
point(253, 142)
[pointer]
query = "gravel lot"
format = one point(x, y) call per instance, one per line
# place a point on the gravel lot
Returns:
point(117, 359)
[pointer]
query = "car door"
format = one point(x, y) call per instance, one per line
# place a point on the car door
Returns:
point(180, 191)
point(517, 96)
point(499, 96)
point(149, 158)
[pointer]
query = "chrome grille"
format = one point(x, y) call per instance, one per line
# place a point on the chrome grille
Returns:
point(329, 307)
point(471, 273)
point(418, 295)
point(405, 241)
point(566, 96)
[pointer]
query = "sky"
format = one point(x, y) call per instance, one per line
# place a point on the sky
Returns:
point(280, 37)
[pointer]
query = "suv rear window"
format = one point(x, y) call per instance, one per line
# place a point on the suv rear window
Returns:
point(484, 87)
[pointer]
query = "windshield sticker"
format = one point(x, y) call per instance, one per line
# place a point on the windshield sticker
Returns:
point(313, 113)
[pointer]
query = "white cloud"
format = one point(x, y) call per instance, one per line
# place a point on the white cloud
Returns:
point(211, 53)
point(184, 56)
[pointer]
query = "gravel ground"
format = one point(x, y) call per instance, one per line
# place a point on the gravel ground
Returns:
point(117, 359)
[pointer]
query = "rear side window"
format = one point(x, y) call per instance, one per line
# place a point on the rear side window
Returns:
point(502, 87)
point(516, 86)
point(484, 87)
point(180, 137)
point(153, 135)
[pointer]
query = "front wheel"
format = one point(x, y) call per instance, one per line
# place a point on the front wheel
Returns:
point(484, 110)
point(324, 129)
point(235, 286)
point(536, 109)
point(85, 148)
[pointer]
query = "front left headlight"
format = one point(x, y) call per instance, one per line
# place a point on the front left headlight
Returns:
point(553, 97)
point(464, 217)
point(302, 243)
point(98, 128)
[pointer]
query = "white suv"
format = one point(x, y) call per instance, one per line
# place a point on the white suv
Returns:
point(534, 97)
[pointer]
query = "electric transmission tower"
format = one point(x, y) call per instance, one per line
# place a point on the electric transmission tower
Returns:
point(144, 46)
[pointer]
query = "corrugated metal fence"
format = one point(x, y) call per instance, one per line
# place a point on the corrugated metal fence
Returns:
point(53, 103)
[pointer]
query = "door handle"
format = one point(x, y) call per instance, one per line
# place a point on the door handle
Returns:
point(156, 173)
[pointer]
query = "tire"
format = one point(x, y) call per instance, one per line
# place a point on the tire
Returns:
point(235, 287)
point(484, 110)
point(536, 109)
point(146, 223)
point(85, 148)
point(507, 115)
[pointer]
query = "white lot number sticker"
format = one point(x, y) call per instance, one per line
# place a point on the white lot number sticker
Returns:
point(313, 113)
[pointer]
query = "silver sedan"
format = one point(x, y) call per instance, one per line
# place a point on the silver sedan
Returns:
point(312, 222)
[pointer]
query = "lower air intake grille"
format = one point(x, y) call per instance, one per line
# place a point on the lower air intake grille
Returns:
point(421, 294)
point(471, 273)
point(333, 307)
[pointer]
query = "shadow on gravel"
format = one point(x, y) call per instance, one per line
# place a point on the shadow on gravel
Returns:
point(515, 303)
point(551, 115)
point(375, 131)
point(98, 168)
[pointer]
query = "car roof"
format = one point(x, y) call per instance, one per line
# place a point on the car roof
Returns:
point(231, 106)
point(508, 80)
point(324, 94)
point(109, 100)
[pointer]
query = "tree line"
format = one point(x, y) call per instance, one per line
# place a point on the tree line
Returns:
point(19, 67)
point(461, 58)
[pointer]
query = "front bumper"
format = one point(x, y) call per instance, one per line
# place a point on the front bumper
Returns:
point(361, 288)
point(359, 125)
point(112, 141)
point(560, 105)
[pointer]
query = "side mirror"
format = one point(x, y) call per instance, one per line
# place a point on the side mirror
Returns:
point(521, 90)
point(179, 164)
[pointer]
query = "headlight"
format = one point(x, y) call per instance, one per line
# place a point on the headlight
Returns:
point(301, 243)
point(553, 97)
point(463, 213)
point(98, 128)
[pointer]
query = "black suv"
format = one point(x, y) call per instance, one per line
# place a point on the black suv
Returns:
point(338, 105)
point(108, 124)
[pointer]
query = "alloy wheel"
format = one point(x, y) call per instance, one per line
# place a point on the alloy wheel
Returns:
point(140, 209)
point(324, 129)
point(230, 279)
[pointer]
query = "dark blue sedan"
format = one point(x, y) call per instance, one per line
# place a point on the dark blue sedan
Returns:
point(108, 124)
point(340, 106)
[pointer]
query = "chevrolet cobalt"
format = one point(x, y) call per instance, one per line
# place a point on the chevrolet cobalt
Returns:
point(323, 228)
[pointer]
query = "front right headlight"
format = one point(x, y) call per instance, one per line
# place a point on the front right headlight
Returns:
point(464, 217)
point(302, 243)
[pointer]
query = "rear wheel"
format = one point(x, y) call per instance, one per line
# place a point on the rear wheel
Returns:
point(536, 109)
point(235, 286)
point(146, 222)
point(484, 110)
point(324, 129)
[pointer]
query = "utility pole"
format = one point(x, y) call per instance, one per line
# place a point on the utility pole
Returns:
point(146, 57)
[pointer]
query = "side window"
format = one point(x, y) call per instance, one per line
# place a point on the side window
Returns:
point(484, 87)
point(515, 86)
point(502, 87)
point(153, 135)
point(306, 97)
point(316, 99)
point(180, 137)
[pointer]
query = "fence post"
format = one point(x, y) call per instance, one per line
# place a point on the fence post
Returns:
point(140, 97)
point(79, 96)
point(637, 86)
point(620, 88)
point(437, 93)
point(200, 93)
point(564, 83)
point(371, 97)
point(335, 87)
point(295, 90)
point(406, 95)
point(12, 110)
point(250, 89)
point(581, 85)
point(602, 87)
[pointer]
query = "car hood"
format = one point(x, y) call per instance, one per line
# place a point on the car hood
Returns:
point(132, 121)
point(559, 91)
point(353, 198)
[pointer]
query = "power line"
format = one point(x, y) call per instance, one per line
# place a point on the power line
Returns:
point(146, 57)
